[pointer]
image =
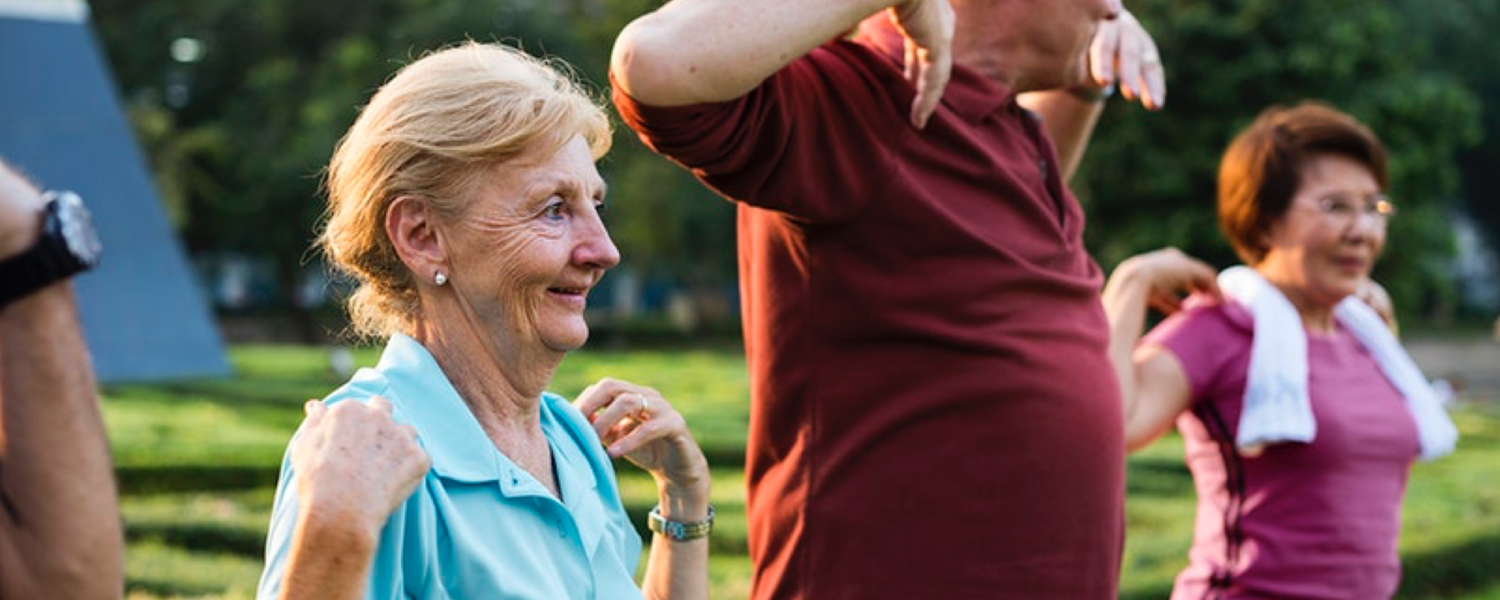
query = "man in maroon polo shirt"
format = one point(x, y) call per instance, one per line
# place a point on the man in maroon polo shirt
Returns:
point(934, 415)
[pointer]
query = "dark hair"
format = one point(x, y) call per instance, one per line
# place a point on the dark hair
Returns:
point(1262, 168)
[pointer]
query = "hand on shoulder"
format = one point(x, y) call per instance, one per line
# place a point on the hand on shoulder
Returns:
point(353, 461)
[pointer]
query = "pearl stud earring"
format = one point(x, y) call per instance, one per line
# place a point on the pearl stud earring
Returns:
point(440, 279)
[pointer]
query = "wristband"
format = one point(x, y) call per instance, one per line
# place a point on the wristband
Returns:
point(1090, 93)
point(679, 531)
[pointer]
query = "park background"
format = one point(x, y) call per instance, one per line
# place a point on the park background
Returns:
point(238, 104)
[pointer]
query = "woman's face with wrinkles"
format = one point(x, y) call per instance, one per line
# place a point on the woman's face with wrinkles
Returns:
point(530, 245)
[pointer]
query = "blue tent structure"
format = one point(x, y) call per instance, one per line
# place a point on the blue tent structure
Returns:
point(61, 124)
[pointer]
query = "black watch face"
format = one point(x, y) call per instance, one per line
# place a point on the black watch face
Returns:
point(77, 228)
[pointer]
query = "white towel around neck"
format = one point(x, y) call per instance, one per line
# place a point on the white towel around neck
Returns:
point(1277, 407)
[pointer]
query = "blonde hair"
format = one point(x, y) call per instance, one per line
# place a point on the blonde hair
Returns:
point(430, 132)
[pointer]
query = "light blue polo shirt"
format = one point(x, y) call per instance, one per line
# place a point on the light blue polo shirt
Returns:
point(478, 526)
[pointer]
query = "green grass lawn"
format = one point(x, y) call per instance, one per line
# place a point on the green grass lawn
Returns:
point(198, 460)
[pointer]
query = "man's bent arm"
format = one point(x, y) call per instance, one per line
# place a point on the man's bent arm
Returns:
point(59, 517)
point(700, 51)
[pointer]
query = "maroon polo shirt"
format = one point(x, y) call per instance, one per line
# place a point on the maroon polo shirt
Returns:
point(934, 414)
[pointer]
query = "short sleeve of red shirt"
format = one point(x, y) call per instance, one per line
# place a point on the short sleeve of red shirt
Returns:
point(765, 147)
point(1208, 340)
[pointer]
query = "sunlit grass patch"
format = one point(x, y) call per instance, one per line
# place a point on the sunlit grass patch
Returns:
point(198, 460)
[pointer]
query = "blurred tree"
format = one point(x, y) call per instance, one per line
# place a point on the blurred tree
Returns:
point(239, 133)
point(1149, 179)
point(1465, 46)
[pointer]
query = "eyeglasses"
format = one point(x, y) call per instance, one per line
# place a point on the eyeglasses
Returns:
point(1342, 209)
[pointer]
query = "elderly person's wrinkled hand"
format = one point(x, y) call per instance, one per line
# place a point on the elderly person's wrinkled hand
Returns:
point(636, 422)
point(354, 460)
point(926, 28)
point(1122, 52)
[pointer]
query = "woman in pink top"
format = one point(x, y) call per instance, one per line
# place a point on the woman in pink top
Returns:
point(1301, 201)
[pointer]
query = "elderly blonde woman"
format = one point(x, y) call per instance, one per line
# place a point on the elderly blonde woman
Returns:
point(466, 202)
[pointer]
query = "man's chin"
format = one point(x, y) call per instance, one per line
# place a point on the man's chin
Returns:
point(1070, 75)
point(1077, 73)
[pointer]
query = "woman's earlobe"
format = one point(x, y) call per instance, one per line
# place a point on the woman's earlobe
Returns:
point(414, 235)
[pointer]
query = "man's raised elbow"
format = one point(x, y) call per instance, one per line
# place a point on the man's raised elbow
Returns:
point(630, 64)
point(646, 68)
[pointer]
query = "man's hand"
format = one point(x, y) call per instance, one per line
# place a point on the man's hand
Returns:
point(926, 27)
point(1123, 52)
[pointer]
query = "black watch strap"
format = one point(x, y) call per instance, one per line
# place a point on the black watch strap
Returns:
point(44, 263)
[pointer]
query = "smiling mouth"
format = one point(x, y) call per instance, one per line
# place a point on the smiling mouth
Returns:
point(570, 295)
point(1352, 263)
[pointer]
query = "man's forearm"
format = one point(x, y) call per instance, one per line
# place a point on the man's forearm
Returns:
point(61, 526)
point(1069, 120)
point(695, 51)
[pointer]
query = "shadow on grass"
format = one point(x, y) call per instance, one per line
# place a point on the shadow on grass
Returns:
point(1157, 477)
point(135, 480)
point(281, 393)
point(724, 456)
point(206, 537)
point(168, 589)
point(1149, 593)
point(1451, 571)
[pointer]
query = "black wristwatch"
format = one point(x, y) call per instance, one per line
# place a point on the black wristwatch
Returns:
point(67, 246)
